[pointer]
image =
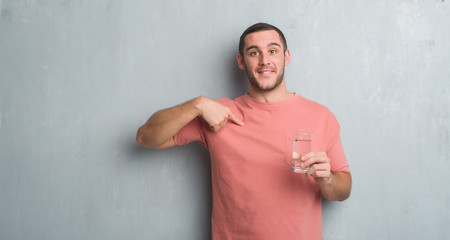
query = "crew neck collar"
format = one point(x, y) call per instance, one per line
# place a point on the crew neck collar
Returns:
point(253, 102)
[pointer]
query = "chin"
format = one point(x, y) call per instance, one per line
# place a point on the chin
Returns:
point(268, 86)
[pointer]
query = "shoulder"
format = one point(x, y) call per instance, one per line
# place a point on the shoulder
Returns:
point(316, 109)
point(232, 103)
point(312, 105)
point(225, 101)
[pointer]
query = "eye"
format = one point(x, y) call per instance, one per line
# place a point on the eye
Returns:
point(254, 53)
point(273, 51)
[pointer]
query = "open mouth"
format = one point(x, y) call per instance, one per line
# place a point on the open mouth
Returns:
point(266, 71)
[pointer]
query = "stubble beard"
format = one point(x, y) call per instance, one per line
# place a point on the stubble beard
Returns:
point(259, 87)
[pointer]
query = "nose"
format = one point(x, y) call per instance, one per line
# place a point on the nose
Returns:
point(263, 59)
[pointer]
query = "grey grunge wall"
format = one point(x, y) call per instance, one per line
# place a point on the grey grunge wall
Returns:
point(77, 78)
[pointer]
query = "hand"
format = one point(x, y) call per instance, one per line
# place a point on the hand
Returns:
point(319, 166)
point(333, 185)
point(216, 114)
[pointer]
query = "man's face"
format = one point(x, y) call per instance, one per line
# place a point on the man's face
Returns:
point(264, 60)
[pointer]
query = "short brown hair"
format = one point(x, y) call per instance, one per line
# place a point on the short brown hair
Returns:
point(257, 28)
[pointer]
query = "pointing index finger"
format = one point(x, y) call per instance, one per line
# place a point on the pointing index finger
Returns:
point(234, 119)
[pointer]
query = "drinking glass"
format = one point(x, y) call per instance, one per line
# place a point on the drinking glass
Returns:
point(302, 141)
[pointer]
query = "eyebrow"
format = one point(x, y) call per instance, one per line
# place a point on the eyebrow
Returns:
point(270, 44)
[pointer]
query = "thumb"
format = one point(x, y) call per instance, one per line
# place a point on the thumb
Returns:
point(295, 155)
point(234, 119)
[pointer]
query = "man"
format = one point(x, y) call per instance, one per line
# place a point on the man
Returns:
point(255, 194)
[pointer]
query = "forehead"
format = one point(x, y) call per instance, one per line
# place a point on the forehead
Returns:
point(262, 39)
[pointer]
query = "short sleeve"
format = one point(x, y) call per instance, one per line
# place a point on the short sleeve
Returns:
point(335, 150)
point(193, 131)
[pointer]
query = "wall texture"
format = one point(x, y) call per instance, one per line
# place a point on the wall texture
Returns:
point(77, 78)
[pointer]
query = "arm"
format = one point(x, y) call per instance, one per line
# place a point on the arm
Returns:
point(333, 185)
point(337, 187)
point(159, 130)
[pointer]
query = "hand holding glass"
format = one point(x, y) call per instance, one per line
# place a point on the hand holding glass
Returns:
point(301, 145)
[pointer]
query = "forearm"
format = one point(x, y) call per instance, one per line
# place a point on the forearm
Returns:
point(337, 187)
point(164, 124)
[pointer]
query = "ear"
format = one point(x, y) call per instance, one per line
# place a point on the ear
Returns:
point(240, 61)
point(287, 57)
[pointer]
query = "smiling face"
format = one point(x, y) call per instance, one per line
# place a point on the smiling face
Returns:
point(264, 59)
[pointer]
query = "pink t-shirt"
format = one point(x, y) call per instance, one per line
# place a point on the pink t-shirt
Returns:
point(255, 193)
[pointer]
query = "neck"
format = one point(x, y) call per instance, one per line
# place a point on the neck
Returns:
point(276, 95)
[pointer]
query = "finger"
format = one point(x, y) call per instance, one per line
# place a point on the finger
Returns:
point(321, 167)
point(318, 170)
point(321, 174)
point(234, 119)
point(295, 155)
point(315, 160)
point(223, 124)
point(213, 128)
point(317, 164)
point(307, 156)
point(318, 157)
